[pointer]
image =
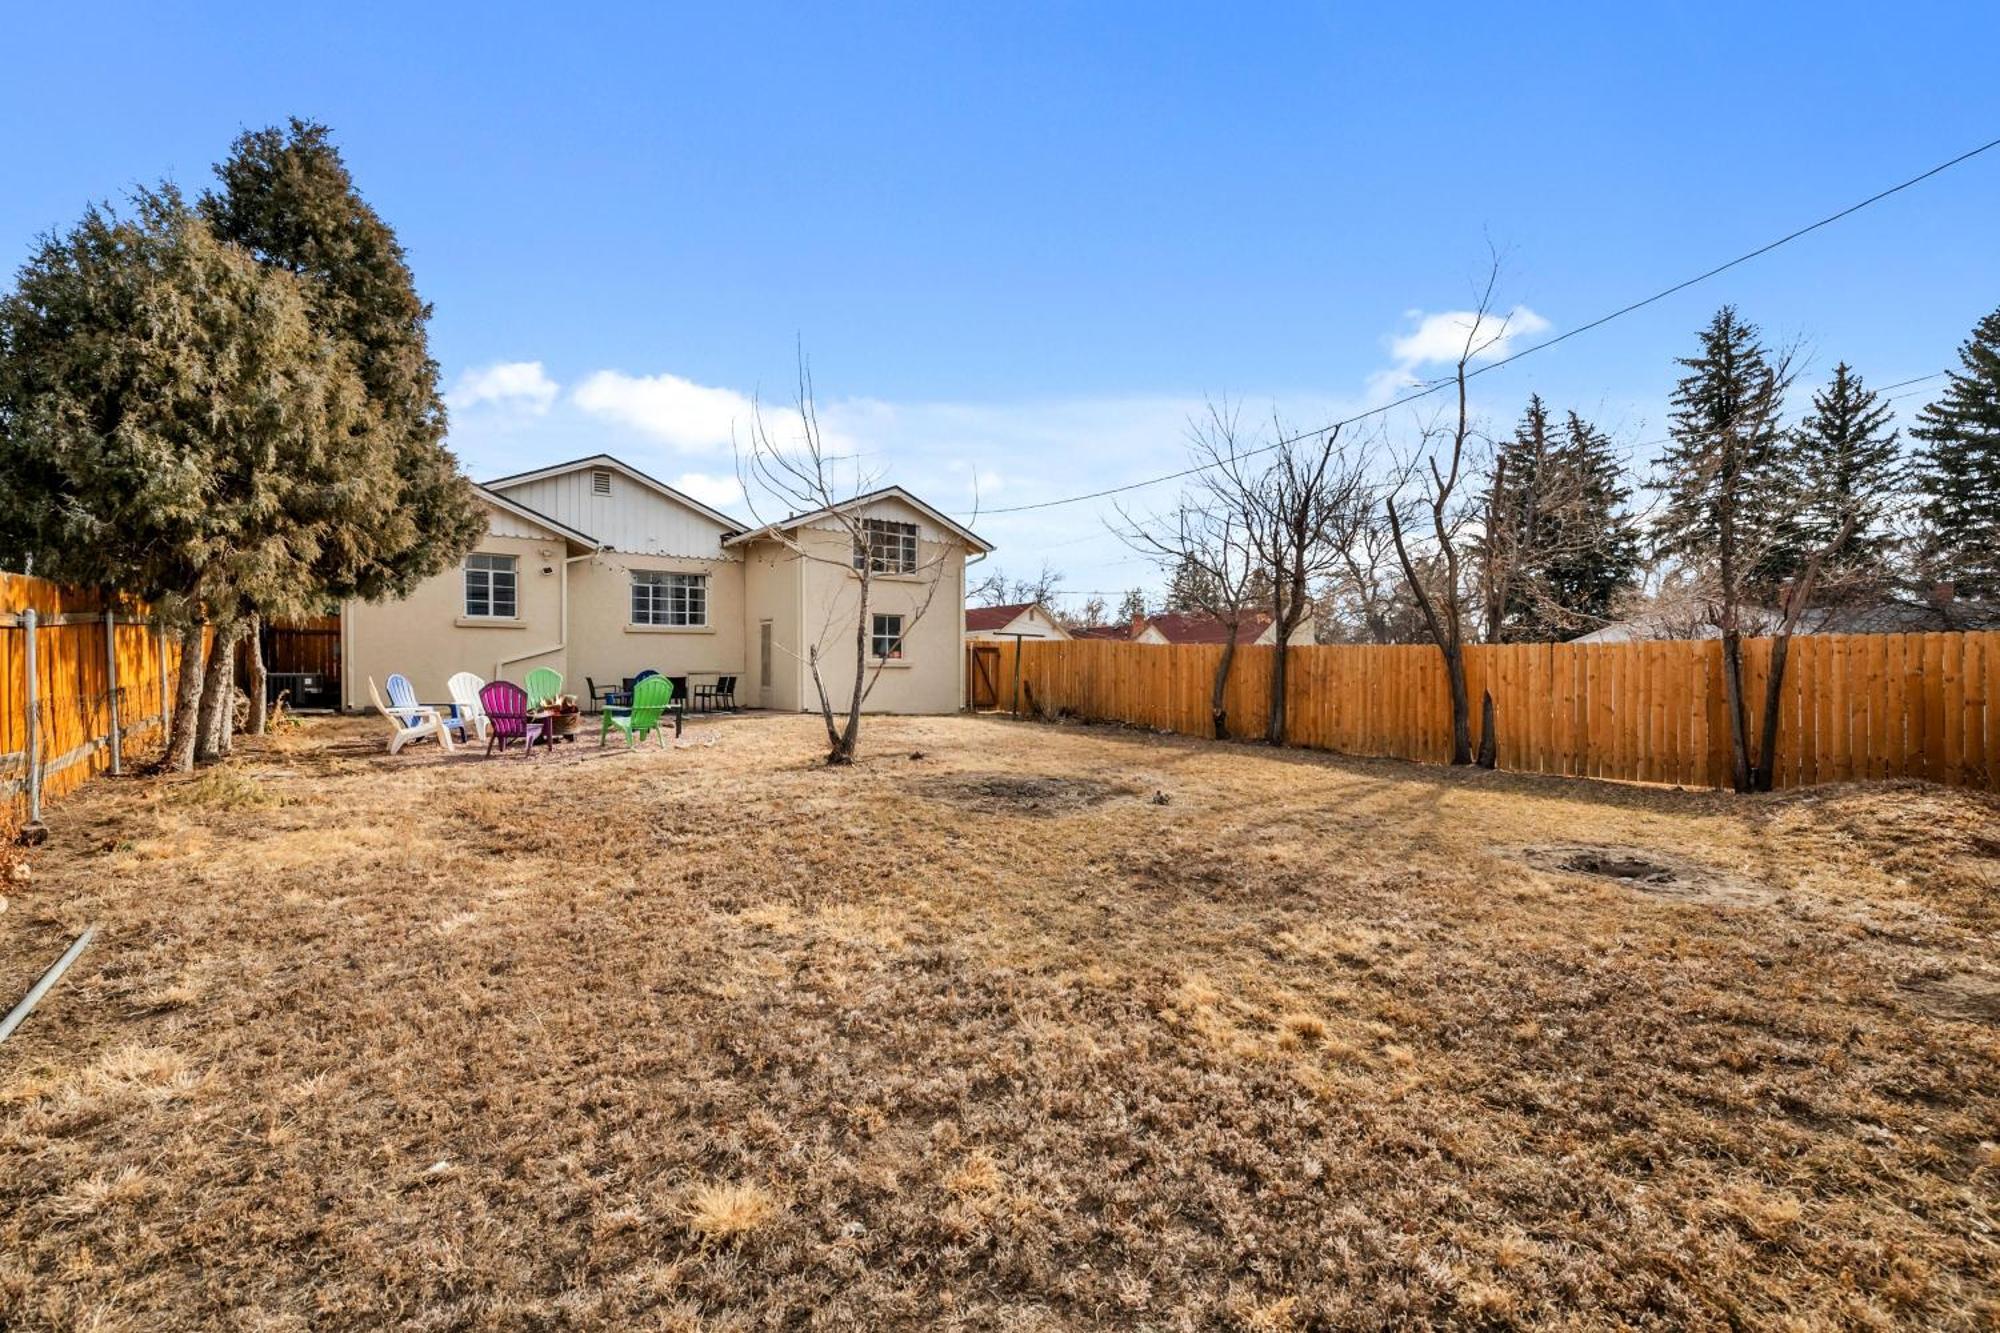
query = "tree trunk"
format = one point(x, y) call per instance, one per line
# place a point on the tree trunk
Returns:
point(1274, 727)
point(1732, 685)
point(1218, 711)
point(217, 688)
point(259, 710)
point(1763, 769)
point(1461, 702)
point(179, 757)
point(1489, 740)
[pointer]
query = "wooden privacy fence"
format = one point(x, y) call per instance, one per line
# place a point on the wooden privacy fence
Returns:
point(1852, 706)
point(82, 679)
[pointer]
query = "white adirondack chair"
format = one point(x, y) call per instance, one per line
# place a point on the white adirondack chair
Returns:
point(464, 691)
point(410, 723)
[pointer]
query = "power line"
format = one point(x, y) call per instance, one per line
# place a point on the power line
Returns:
point(1599, 322)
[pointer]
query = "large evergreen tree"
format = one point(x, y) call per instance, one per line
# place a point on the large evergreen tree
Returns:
point(395, 509)
point(1958, 468)
point(1721, 474)
point(1844, 470)
point(1593, 541)
point(1558, 545)
point(152, 380)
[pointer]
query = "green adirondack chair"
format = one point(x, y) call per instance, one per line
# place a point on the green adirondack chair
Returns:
point(650, 698)
point(542, 685)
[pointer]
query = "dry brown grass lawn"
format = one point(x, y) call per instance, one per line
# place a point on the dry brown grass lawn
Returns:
point(1012, 1026)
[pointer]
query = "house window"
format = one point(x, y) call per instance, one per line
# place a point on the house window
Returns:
point(600, 482)
point(669, 599)
point(892, 546)
point(887, 639)
point(490, 584)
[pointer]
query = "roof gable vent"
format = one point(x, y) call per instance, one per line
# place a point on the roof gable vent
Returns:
point(600, 482)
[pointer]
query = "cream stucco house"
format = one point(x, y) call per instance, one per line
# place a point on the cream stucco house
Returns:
point(599, 571)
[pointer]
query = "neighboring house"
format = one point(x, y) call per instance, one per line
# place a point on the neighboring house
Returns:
point(1940, 612)
point(1116, 633)
point(597, 570)
point(1195, 627)
point(1001, 624)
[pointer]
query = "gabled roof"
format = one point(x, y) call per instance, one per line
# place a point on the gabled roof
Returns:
point(994, 617)
point(728, 521)
point(1198, 627)
point(519, 510)
point(986, 619)
point(966, 534)
point(1102, 632)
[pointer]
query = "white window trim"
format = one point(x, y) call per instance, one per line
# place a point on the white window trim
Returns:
point(657, 578)
point(511, 567)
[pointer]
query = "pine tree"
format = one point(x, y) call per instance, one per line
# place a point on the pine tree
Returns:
point(1133, 606)
point(1723, 483)
point(1592, 539)
point(1190, 588)
point(1844, 464)
point(1958, 469)
point(1559, 546)
point(1720, 474)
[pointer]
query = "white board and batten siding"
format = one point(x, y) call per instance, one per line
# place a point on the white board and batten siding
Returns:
point(623, 514)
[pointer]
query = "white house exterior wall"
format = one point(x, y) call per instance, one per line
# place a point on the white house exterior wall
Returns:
point(633, 517)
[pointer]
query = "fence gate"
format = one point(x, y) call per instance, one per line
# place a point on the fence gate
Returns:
point(983, 680)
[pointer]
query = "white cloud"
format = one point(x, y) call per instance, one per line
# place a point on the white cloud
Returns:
point(692, 418)
point(521, 384)
point(719, 490)
point(1441, 336)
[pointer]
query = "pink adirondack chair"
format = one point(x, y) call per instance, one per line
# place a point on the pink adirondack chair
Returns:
point(506, 707)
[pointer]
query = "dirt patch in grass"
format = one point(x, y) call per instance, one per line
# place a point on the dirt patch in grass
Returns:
point(1020, 793)
point(715, 1038)
point(1647, 871)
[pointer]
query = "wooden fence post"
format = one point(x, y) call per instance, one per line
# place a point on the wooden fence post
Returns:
point(111, 695)
point(33, 710)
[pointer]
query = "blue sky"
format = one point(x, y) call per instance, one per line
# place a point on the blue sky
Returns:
point(1024, 242)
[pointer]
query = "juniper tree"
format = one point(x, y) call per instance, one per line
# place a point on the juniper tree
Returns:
point(1958, 468)
point(151, 377)
point(391, 503)
point(1845, 468)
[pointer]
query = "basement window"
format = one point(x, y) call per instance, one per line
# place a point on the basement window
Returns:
point(490, 585)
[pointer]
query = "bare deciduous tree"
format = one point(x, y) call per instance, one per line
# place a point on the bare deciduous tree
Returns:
point(1274, 517)
point(1204, 543)
point(834, 491)
point(1438, 471)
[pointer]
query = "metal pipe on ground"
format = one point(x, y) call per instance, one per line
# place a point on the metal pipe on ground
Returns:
point(47, 983)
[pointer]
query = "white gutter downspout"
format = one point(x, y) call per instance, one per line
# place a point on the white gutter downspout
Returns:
point(964, 580)
point(562, 619)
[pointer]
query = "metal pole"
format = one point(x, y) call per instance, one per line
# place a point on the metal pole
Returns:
point(41, 988)
point(166, 719)
point(111, 679)
point(33, 748)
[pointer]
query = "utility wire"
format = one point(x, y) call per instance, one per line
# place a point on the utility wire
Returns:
point(1545, 344)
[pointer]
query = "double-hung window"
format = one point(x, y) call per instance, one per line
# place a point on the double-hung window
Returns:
point(491, 582)
point(679, 600)
point(886, 638)
point(891, 546)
